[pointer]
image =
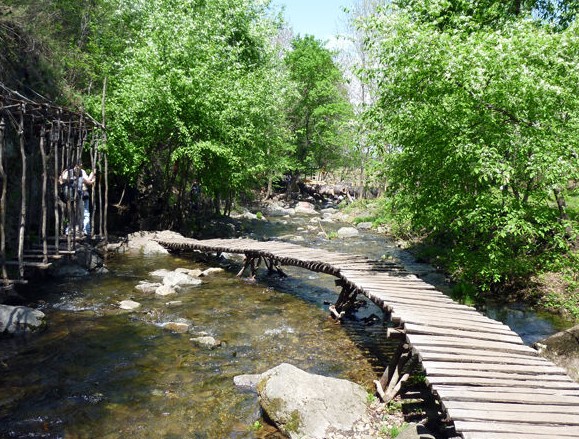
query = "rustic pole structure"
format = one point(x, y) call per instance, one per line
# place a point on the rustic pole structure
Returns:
point(54, 140)
point(44, 193)
point(4, 180)
point(23, 203)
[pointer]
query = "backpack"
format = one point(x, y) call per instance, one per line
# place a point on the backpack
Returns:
point(68, 190)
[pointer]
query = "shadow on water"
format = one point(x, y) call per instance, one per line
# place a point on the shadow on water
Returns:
point(98, 371)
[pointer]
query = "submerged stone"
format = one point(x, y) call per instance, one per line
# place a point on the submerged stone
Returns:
point(165, 290)
point(20, 319)
point(206, 341)
point(178, 327)
point(129, 305)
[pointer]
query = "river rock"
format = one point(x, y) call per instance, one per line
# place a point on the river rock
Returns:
point(129, 305)
point(162, 272)
point(193, 272)
point(20, 319)
point(180, 279)
point(563, 350)
point(88, 258)
point(364, 226)
point(206, 341)
point(211, 270)
point(415, 431)
point(305, 208)
point(165, 290)
point(174, 303)
point(71, 270)
point(307, 405)
point(277, 209)
point(147, 287)
point(248, 381)
point(348, 232)
point(178, 327)
point(145, 242)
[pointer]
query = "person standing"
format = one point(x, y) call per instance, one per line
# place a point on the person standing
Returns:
point(77, 181)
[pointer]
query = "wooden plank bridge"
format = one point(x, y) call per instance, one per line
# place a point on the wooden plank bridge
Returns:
point(487, 381)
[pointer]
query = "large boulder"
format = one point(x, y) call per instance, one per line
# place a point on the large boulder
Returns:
point(563, 350)
point(20, 319)
point(305, 405)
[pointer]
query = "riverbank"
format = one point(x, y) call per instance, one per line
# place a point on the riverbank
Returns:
point(555, 292)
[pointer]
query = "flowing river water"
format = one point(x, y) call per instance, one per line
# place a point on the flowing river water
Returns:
point(101, 372)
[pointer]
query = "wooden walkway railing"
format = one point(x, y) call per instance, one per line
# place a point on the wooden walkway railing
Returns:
point(488, 382)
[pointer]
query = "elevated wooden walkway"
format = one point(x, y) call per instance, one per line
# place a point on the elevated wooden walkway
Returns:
point(488, 382)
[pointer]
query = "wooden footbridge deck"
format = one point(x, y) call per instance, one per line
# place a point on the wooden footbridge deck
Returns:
point(488, 382)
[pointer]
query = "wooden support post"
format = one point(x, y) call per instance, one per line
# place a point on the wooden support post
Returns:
point(396, 373)
point(346, 299)
point(44, 194)
point(246, 261)
point(255, 263)
point(4, 181)
point(23, 201)
point(54, 139)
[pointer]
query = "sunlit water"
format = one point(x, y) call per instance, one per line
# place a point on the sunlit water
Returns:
point(100, 372)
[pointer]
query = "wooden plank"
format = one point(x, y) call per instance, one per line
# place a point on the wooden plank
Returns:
point(515, 427)
point(467, 351)
point(482, 382)
point(464, 342)
point(403, 289)
point(425, 307)
point(435, 330)
point(482, 360)
point(550, 369)
point(505, 407)
point(502, 435)
point(409, 301)
point(459, 325)
point(510, 394)
point(402, 292)
point(38, 265)
point(448, 319)
point(523, 417)
point(551, 379)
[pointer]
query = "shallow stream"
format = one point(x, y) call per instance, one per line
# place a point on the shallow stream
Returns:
point(100, 372)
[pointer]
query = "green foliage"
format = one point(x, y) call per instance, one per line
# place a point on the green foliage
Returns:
point(197, 96)
point(320, 113)
point(477, 125)
point(256, 426)
point(395, 430)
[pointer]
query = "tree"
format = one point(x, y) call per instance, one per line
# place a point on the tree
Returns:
point(320, 114)
point(478, 126)
point(198, 100)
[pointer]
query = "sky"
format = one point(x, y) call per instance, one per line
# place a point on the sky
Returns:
point(323, 19)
